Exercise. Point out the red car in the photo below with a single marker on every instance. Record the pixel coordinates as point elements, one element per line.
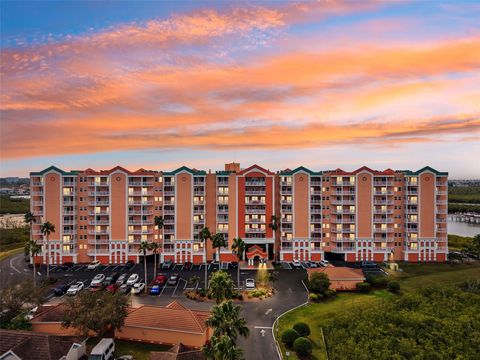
<point>112,288</point>
<point>160,280</point>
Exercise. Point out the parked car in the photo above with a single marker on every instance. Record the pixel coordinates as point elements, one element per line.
<point>112,288</point>
<point>103,350</point>
<point>97,280</point>
<point>324,263</point>
<point>138,287</point>
<point>110,279</point>
<point>296,264</point>
<point>368,265</point>
<point>94,264</point>
<point>75,288</point>
<point>312,264</point>
<point>134,278</point>
<point>167,265</point>
<point>125,289</point>
<point>173,279</point>
<point>155,290</point>
<point>67,265</point>
<point>187,266</point>
<point>60,290</point>
<point>249,284</point>
<point>31,314</point>
<point>160,280</point>
<point>129,264</point>
<point>121,279</point>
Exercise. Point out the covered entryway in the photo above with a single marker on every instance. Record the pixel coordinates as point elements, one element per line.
<point>255,254</point>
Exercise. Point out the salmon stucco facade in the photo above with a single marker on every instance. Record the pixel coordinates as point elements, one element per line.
<point>361,215</point>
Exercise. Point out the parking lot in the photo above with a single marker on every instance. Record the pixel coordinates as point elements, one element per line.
<point>190,279</point>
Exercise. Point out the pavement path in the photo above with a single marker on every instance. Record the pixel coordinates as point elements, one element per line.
<point>14,270</point>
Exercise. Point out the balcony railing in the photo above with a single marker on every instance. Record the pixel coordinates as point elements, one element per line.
<point>254,192</point>
<point>343,183</point>
<point>382,230</point>
<point>99,203</point>
<point>254,183</point>
<point>382,183</point>
<point>257,202</point>
<point>382,220</point>
<point>93,213</point>
<point>257,221</point>
<point>315,219</point>
<point>140,232</point>
<point>252,230</point>
<point>98,193</point>
<point>388,192</point>
<point>342,202</point>
<point>99,222</point>
<point>37,193</point>
<point>254,211</point>
<point>343,211</point>
<point>380,211</point>
<point>343,221</point>
<point>342,231</point>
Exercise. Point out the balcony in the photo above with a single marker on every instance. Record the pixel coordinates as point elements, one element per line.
<point>315,192</point>
<point>382,211</point>
<point>342,202</point>
<point>69,222</point>
<point>383,249</point>
<point>99,183</point>
<point>441,220</point>
<point>99,242</point>
<point>222,210</point>
<point>315,211</point>
<point>99,222</point>
<point>441,202</point>
<point>254,192</point>
<point>140,232</point>
<point>222,219</point>
<point>411,211</point>
<point>255,231</point>
<point>98,193</point>
<point>315,219</point>
<point>136,212</point>
<point>198,221</point>
<point>382,220</point>
<point>414,193</point>
<point>254,183</point>
<point>441,183</point>
<point>93,213</point>
<point>99,203</point>
<point>140,222</point>
<point>441,211</point>
<point>343,193</point>
<point>382,183</point>
<point>36,183</point>
<point>343,249</point>
<point>382,202</point>
<point>254,211</point>
<point>343,221</point>
<point>383,230</point>
<point>198,202</point>
<point>169,221</point>
<point>343,183</point>
<point>140,193</point>
<point>257,202</point>
<point>199,192</point>
<point>140,183</point>
<point>342,231</point>
<point>169,212</point>
<point>99,232</point>
<point>316,202</point>
<point>438,192</point>
<point>37,203</point>
<point>37,193</point>
<point>383,192</point>
<point>441,229</point>
<point>257,221</point>
<point>343,211</point>
<point>140,203</point>
<point>198,211</point>
<point>315,183</point>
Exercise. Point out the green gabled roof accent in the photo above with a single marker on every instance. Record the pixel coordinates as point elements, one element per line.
<point>187,169</point>
<point>300,168</point>
<point>426,168</point>
<point>54,168</point>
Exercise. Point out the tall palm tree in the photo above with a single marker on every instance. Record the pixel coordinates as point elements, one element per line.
<point>225,319</point>
<point>144,247</point>
<point>274,223</point>
<point>222,348</point>
<point>29,218</point>
<point>218,241</point>
<point>238,248</point>
<point>159,222</point>
<point>47,228</point>
<point>34,249</point>
<point>204,235</point>
<point>154,247</point>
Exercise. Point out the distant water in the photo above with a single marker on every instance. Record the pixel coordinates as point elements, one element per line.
<point>462,229</point>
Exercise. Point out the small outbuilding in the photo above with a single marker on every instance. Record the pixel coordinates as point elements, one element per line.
<point>341,278</point>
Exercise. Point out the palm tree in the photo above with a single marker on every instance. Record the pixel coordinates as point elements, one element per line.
<point>225,319</point>
<point>47,228</point>
<point>221,286</point>
<point>274,222</point>
<point>34,249</point>
<point>222,348</point>
<point>218,241</point>
<point>154,247</point>
<point>238,248</point>
<point>204,235</point>
<point>29,218</point>
<point>159,222</point>
<point>144,247</point>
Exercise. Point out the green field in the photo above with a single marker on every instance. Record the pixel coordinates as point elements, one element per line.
<point>13,238</point>
<point>13,206</point>
<point>464,199</point>
<point>412,279</point>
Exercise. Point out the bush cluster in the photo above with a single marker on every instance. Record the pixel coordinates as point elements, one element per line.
<point>364,287</point>
<point>297,340</point>
<point>303,347</point>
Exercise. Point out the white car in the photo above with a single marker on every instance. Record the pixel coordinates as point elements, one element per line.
<point>134,278</point>
<point>324,263</point>
<point>138,287</point>
<point>249,284</point>
<point>97,280</point>
<point>296,263</point>
<point>75,288</point>
<point>31,314</point>
<point>94,264</point>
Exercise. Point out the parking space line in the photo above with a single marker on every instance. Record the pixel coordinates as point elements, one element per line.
<point>178,283</point>
<point>161,292</point>
<point>115,267</point>
<point>80,267</point>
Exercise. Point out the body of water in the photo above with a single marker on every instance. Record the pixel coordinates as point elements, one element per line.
<point>462,228</point>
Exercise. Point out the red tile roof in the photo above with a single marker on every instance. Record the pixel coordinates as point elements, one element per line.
<point>340,273</point>
<point>172,317</point>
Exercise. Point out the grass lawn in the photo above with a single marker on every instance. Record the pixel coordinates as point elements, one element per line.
<point>412,277</point>
<point>139,351</point>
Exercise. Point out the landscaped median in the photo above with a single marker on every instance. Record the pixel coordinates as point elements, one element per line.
<point>5,254</point>
<point>338,322</point>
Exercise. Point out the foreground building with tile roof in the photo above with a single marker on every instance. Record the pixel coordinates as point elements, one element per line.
<point>356,216</point>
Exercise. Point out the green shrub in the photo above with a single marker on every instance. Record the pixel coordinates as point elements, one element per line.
<point>302,329</point>
<point>318,283</point>
<point>313,297</point>
<point>239,296</point>
<point>393,286</point>
<point>330,293</point>
<point>258,292</point>
<point>378,282</point>
<point>303,347</point>
<point>202,292</point>
<point>364,287</point>
<point>289,336</point>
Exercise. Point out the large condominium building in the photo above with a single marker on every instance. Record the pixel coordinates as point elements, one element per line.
<point>355,216</point>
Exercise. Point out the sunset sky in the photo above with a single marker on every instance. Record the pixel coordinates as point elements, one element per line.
<point>161,84</point>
